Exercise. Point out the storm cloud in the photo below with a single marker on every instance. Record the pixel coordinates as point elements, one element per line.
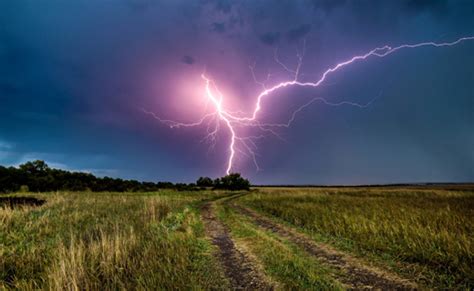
<point>74,76</point>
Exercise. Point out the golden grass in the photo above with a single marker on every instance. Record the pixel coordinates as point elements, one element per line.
<point>427,234</point>
<point>107,241</point>
<point>156,240</point>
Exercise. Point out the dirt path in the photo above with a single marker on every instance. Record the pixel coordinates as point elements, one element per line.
<point>355,274</point>
<point>237,267</point>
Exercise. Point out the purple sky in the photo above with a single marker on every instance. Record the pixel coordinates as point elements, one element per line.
<point>75,74</point>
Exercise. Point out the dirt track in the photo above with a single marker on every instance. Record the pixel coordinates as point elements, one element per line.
<point>243,275</point>
<point>355,274</point>
<point>237,267</point>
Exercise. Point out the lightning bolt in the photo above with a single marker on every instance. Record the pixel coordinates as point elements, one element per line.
<point>232,121</point>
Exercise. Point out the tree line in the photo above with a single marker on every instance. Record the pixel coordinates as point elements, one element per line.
<point>37,176</point>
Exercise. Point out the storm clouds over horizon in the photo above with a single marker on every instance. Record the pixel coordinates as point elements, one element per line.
<point>74,76</point>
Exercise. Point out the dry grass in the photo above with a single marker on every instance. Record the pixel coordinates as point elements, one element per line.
<point>156,240</point>
<point>107,241</point>
<point>425,234</point>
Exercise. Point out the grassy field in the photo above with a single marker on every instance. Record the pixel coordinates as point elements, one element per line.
<point>161,240</point>
<point>423,234</point>
<point>108,241</point>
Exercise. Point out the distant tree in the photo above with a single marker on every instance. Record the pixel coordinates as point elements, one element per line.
<point>233,181</point>
<point>11,179</point>
<point>34,167</point>
<point>165,185</point>
<point>185,187</point>
<point>37,176</point>
<point>204,182</point>
<point>217,183</point>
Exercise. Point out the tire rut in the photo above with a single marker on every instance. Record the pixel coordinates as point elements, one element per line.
<point>356,275</point>
<point>237,267</point>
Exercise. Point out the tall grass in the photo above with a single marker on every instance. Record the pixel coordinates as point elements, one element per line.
<point>107,241</point>
<point>426,232</point>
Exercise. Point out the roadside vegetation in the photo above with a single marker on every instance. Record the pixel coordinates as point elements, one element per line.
<point>108,241</point>
<point>425,235</point>
<point>289,267</point>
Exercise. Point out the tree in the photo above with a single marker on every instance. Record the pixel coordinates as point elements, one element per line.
<point>233,181</point>
<point>39,177</point>
<point>34,167</point>
<point>204,182</point>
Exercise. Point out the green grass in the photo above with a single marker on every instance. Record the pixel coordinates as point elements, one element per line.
<point>108,241</point>
<point>157,240</point>
<point>427,235</point>
<point>288,266</point>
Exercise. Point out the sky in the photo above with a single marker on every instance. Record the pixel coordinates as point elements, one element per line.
<point>77,78</point>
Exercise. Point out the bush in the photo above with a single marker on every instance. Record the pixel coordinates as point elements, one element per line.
<point>233,182</point>
<point>24,189</point>
<point>204,182</point>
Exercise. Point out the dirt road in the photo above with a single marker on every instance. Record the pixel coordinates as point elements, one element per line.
<point>238,268</point>
<point>243,275</point>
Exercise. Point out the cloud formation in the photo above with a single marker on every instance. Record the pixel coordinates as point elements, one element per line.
<point>71,81</point>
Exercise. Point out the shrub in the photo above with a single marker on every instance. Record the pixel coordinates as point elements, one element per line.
<point>24,189</point>
<point>204,182</point>
<point>233,182</point>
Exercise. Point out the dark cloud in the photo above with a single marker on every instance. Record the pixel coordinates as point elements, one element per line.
<point>138,5</point>
<point>7,89</point>
<point>224,6</point>
<point>370,9</point>
<point>426,5</point>
<point>270,38</point>
<point>187,60</point>
<point>298,32</point>
<point>71,82</point>
<point>14,53</point>
<point>327,5</point>
<point>218,27</point>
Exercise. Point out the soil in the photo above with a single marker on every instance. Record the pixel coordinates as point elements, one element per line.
<point>237,267</point>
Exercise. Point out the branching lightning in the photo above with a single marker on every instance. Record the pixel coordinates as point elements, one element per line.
<point>232,121</point>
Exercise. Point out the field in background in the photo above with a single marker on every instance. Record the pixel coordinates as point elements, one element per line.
<point>425,234</point>
<point>158,240</point>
